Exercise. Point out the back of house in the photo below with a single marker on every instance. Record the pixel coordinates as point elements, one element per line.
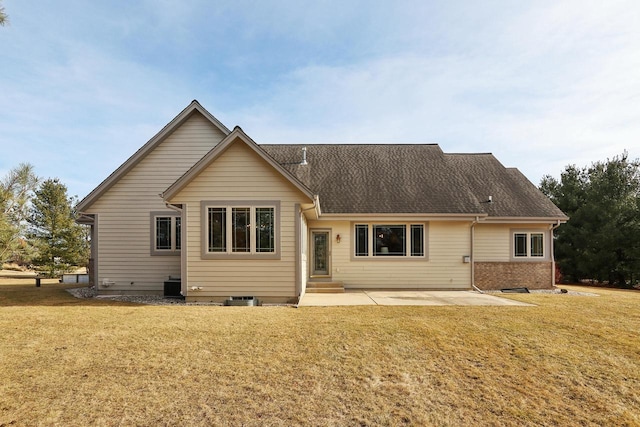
<point>208,208</point>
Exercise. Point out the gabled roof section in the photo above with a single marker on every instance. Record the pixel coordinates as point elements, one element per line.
<point>193,108</point>
<point>237,135</point>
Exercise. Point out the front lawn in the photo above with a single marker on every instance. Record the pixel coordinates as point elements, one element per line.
<point>569,360</point>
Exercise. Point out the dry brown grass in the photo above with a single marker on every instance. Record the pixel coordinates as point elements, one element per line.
<point>570,360</point>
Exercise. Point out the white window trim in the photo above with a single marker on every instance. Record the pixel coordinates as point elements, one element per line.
<point>371,246</point>
<point>229,205</point>
<point>529,257</point>
<point>154,233</point>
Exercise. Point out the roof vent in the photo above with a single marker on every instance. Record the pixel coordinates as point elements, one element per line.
<point>304,156</point>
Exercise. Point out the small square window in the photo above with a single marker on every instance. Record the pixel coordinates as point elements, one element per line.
<point>528,245</point>
<point>165,233</point>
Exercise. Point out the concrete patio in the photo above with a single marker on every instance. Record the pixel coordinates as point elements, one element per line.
<point>433,298</point>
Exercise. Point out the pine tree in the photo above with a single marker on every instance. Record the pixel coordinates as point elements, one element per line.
<point>59,241</point>
<point>601,241</point>
<point>16,190</point>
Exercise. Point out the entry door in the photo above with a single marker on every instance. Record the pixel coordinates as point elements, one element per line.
<point>320,253</point>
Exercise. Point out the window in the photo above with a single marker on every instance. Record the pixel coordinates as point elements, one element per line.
<point>242,229</point>
<point>528,245</point>
<point>265,230</point>
<point>217,241</point>
<point>417,240</point>
<point>362,240</point>
<point>389,240</point>
<point>241,234</point>
<point>163,233</point>
<point>166,232</point>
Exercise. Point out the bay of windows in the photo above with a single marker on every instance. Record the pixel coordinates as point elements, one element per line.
<point>240,229</point>
<point>389,240</point>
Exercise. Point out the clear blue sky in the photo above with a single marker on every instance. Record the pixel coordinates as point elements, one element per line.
<point>541,84</point>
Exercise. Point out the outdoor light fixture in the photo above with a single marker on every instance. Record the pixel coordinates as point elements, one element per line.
<point>338,238</point>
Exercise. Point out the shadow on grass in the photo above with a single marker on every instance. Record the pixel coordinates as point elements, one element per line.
<point>49,294</point>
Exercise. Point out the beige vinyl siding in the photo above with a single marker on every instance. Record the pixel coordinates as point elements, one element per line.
<point>123,212</point>
<point>239,174</point>
<point>443,268</point>
<point>493,242</point>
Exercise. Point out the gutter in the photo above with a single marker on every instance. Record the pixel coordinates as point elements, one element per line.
<point>183,255</point>
<point>316,206</point>
<point>173,207</point>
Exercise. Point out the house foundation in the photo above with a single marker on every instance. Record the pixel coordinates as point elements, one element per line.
<point>500,275</point>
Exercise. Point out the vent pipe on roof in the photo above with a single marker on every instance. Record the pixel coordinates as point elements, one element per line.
<point>304,156</point>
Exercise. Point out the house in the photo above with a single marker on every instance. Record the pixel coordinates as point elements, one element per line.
<point>229,217</point>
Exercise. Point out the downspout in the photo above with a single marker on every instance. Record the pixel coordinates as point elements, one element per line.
<point>553,258</point>
<point>473,275</point>
<point>183,253</point>
<point>316,207</point>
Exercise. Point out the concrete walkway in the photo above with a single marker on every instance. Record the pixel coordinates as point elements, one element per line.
<point>405,298</point>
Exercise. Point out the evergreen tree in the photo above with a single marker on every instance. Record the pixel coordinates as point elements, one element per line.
<point>601,241</point>
<point>59,241</point>
<point>3,16</point>
<point>16,190</point>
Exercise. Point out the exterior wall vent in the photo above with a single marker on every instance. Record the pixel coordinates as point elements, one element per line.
<point>242,301</point>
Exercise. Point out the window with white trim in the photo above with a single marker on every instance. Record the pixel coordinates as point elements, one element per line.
<point>528,245</point>
<point>249,229</point>
<point>166,233</point>
<point>389,240</point>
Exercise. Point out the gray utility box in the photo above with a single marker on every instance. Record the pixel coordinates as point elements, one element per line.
<point>242,301</point>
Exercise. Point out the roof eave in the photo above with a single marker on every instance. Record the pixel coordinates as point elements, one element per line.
<point>364,216</point>
<point>132,161</point>
<point>527,220</point>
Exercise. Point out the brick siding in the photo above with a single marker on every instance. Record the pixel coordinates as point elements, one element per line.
<point>500,275</point>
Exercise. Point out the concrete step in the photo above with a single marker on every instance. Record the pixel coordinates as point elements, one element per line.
<point>325,287</point>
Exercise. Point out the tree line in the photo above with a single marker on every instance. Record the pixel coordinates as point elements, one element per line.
<point>37,225</point>
<point>601,240</point>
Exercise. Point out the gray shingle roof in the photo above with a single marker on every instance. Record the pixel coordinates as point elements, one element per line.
<point>412,178</point>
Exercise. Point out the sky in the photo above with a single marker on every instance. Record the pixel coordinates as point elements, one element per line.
<point>540,84</point>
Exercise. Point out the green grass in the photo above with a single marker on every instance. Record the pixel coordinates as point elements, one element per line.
<point>570,360</point>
